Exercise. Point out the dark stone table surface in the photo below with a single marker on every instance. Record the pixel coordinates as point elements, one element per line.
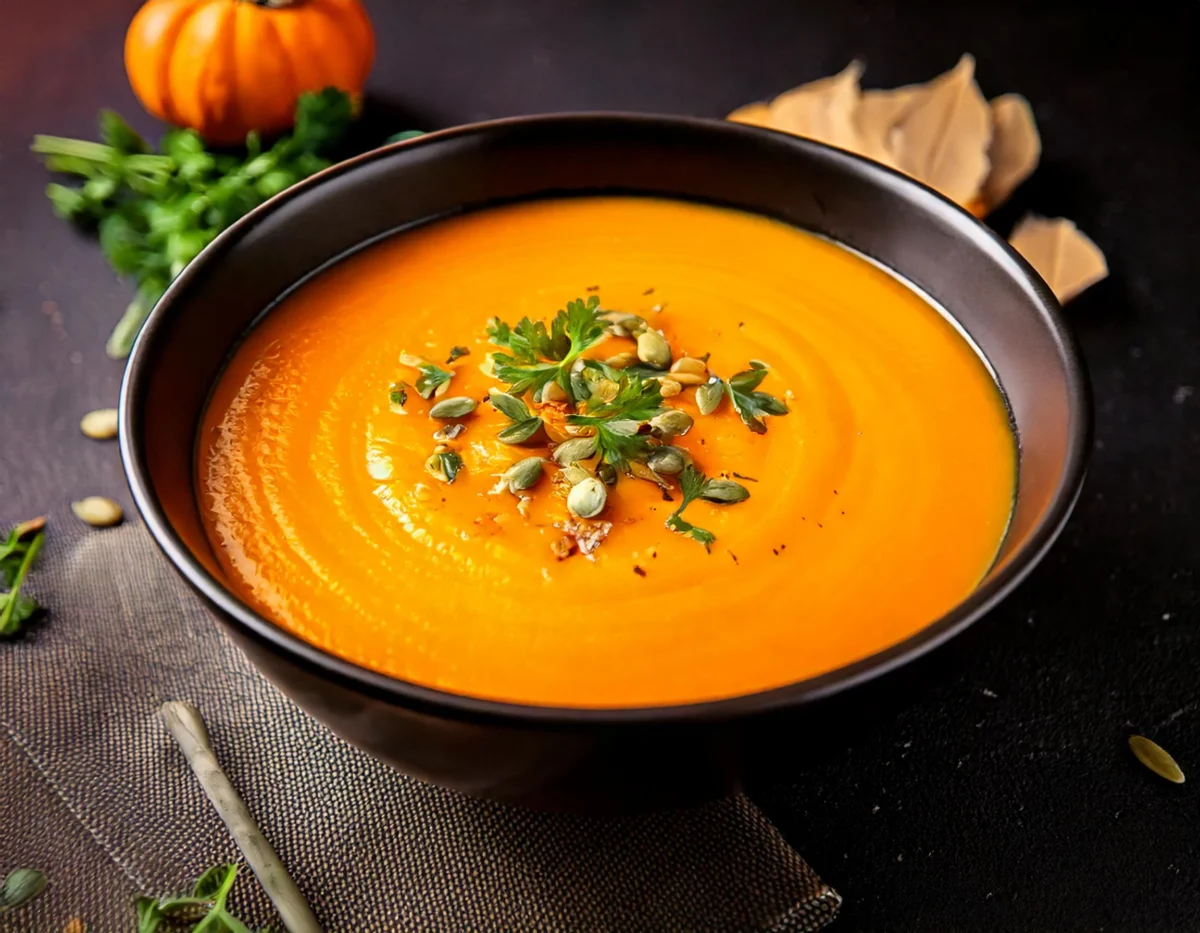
<point>1004,797</point>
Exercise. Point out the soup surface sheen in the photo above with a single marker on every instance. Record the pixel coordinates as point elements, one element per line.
<point>878,503</point>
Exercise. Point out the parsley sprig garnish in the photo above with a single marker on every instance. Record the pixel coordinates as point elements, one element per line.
<point>742,389</point>
<point>750,404</point>
<point>432,379</point>
<point>17,553</point>
<point>618,422</point>
<point>695,485</point>
<point>537,355</point>
<point>691,484</point>
<point>525,424</point>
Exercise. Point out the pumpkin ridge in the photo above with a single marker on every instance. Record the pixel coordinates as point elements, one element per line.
<point>162,67</point>
<point>284,56</point>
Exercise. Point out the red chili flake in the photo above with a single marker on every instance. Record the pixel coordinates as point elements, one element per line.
<point>638,570</point>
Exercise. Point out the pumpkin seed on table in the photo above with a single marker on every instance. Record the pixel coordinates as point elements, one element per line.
<point>450,408</point>
<point>97,511</point>
<point>1156,758</point>
<point>21,885</point>
<point>99,425</point>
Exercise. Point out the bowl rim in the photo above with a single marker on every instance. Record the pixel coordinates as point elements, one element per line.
<point>479,709</point>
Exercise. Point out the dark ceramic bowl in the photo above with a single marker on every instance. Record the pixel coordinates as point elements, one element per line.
<point>588,757</point>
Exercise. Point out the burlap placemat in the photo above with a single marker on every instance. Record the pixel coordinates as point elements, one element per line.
<point>95,794</point>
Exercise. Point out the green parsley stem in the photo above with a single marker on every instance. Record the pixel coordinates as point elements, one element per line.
<point>26,563</point>
<point>187,726</point>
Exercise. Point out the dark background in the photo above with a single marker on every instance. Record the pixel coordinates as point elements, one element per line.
<point>1004,798</point>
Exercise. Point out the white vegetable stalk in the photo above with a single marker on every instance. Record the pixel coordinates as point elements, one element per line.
<point>187,726</point>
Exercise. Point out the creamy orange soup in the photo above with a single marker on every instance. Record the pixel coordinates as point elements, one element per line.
<point>876,503</point>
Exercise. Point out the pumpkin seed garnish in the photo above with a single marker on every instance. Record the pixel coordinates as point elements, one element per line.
<point>689,365</point>
<point>577,448</point>
<point>709,395</point>
<point>621,324</point>
<point>1155,757</point>
<point>653,349</point>
<point>449,432</point>
<point>99,425</point>
<point>587,498</point>
<point>444,466</point>
<point>724,490</point>
<point>450,408</point>
<point>97,511</point>
<point>667,461</point>
<point>621,360</point>
<point>522,475</point>
<point>671,423</point>
<point>669,388</point>
<point>574,474</point>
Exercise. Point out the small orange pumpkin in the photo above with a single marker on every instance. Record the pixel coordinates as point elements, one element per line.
<point>225,67</point>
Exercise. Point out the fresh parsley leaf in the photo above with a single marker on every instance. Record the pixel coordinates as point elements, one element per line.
<point>149,917</point>
<point>431,375</point>
<point>205,906</point>
<point>694,485</point>
<point>752,405</point>
<point>18,551</point>
<point>618,422</point>
<point>691,485</point>
<point>525,425</point>
<point>456,352</point>
<point>537,355</point>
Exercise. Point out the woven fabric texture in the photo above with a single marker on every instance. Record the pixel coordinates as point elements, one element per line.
<point>94,793</point>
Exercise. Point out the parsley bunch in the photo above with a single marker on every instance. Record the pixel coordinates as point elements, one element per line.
<point>155,211</point>
<point>17,554</point>
<point>538,356</point>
